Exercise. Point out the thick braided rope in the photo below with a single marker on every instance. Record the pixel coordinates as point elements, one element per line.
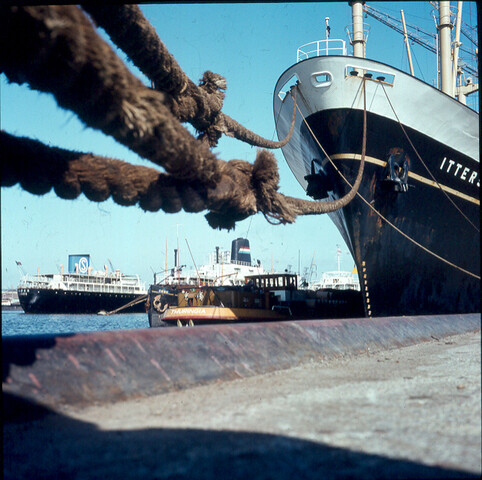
<point>243,189</point>
<point>201,106</point>
<point>55,49</point>
<point>131,31</point>
<point>60,52</point>
<point>39,168</point>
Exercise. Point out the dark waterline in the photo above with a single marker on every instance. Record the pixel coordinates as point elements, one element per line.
<point>19,323</point>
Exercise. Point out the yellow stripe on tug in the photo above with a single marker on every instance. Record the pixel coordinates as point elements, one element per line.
<point>213,314</point>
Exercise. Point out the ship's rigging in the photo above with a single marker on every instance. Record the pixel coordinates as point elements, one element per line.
<point>467,64</point>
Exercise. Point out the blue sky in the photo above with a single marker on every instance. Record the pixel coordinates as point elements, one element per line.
<point>249,44</point>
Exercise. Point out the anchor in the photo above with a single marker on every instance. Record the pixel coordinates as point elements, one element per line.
<point>318,185</point>
<point>396,179</point>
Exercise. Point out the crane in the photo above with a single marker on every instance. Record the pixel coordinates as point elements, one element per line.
<point>111,266</point>
<point>20,267</point>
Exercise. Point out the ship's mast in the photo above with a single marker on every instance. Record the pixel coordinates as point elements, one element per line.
<point>445,28</point>
<point>457,44</point>
<point>420,36</point>
<point>407,43</point>
<point>358,40</point>
<point>448,65</point>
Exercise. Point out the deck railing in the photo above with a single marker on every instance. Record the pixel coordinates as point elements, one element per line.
<point>84,283</point>
<point>321,47</point>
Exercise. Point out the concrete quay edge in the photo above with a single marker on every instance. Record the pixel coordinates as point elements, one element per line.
<point>110,366</point>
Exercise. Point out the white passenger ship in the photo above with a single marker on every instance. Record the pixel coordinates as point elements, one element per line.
<point>82,290</point>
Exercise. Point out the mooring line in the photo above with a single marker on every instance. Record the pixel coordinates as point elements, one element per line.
<point>424,164</point>
<point>380,215</point>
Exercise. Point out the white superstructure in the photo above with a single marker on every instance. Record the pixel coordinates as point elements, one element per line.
<point>224,268</point>
<point>337,280</point>
<point>98,282</point>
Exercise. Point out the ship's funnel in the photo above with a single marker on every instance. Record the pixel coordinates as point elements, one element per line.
<point>81,261</point>
<point>240,251</point>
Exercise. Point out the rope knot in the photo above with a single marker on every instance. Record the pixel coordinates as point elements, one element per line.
<point>214,132</point>
<point>213,85</point>
<point>246,189</point>
<point>213,82</point>
<point>265,183</point>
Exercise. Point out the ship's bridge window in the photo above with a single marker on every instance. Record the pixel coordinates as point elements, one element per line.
<point>376,75</point>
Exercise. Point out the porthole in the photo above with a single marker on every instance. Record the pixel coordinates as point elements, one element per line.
<point>321,79</point>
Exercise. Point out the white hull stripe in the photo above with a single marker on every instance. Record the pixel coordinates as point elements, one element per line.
<point>427,181</point>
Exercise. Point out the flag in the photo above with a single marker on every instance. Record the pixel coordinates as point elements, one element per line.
<point>243,250</point>
<point>18,263</point>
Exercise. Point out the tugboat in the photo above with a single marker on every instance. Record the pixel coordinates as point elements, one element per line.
<point>224,269</point>
<point>255,301</point>
<point>268,297</point>
<point>82,290</point>
<point>413,228</point>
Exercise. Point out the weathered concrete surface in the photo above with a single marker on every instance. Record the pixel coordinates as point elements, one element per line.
<point>412,412</point>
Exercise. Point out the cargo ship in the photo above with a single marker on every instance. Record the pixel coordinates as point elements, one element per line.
<point>413,227</point>
<point>82,290</point>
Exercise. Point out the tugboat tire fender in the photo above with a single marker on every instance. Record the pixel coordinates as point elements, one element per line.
<point>158,305</point>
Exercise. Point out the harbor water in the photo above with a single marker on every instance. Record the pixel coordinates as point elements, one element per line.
<point>20,323</point>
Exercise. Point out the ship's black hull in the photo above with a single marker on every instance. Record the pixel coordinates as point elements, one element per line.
<point>416,252</point>
<point>53,301</point>
<point>425,273</point>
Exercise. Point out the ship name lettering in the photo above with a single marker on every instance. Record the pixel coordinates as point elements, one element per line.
<point>459,166</point>
<point>177,311</point>
<point>466,174</point>
<point>451,164</point>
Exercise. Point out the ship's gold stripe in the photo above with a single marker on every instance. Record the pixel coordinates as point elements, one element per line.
<point>415,176</point>
<point>356,156</point>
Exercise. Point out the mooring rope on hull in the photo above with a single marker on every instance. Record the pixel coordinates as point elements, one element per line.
<point>444,260</point>
<point>424,164</point>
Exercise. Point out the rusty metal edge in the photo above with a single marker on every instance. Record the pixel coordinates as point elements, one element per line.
<point>84,369</point>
